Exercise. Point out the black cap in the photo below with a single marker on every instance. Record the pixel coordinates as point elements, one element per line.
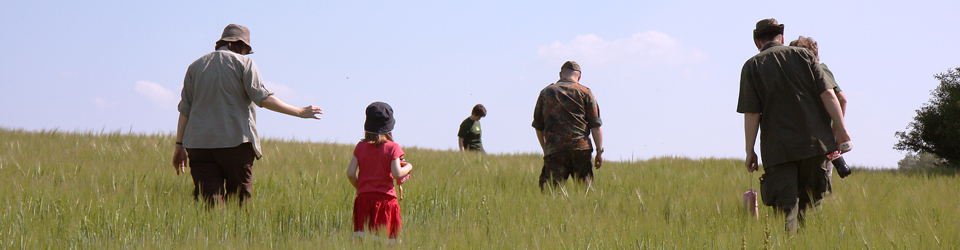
<point>379,118</point>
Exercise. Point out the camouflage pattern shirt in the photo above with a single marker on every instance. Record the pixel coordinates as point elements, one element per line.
<point>565,112</point>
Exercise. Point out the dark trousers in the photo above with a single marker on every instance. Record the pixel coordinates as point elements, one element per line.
<point>794,185</point>
<point>220,173</point>
<point>557,167</point>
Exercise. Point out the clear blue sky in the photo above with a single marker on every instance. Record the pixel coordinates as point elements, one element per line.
<point>666,73</point>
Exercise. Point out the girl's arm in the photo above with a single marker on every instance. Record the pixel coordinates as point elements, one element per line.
<point>400,171</point>
<point>352,173</point>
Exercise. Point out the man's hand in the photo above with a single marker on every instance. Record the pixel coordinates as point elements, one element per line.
<point>842,137</point>
<point>598,160</point>
<point>751,161</point>
<point>310,112</point>
<point>275,104</point>
<point>179,159</point>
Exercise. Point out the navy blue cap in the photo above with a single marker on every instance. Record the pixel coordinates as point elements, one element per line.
<point>379,118</point>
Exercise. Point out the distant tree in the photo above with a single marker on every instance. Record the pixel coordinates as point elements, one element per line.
<point>936,128</point>
<point>921,160</point>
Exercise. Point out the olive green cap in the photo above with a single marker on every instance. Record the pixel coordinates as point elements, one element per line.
<point>570,65</point>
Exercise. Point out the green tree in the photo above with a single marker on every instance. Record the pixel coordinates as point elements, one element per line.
<point>920,160</point>
<point>936,128</point>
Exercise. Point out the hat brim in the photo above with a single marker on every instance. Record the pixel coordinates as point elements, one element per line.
<point>236,39</point>
<point>379,128</point>
<point>769,29</point>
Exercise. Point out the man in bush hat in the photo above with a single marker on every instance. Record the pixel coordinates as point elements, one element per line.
<point>565,116</point>
<point>217,128</point>
<point>785,94</point>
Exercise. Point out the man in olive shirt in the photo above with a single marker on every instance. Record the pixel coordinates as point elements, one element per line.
<point>565,116</point>
<point>217,128</point>
<point>785,94</point>
<point>469,134</point>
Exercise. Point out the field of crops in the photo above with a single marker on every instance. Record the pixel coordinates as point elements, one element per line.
<point>114,190</point>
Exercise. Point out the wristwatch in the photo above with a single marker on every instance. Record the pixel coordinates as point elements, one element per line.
<point>600,151</point>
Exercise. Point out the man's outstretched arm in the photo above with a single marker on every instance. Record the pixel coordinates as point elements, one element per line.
<point>277,105</point>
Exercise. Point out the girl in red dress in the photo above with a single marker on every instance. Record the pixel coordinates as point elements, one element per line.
<point>377,162</point>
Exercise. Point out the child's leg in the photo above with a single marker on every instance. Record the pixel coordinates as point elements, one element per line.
<point>393,215</point>
<point>359,216</point>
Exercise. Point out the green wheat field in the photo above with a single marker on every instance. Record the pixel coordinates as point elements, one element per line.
<point>89,190</point>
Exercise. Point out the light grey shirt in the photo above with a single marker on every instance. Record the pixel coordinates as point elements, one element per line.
<point>219,94</point>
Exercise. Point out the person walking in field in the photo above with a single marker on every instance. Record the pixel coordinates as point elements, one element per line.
<point>785,94</point>
<point>565,116</point>
<point>377,162</point>
<point>810,44</point>
<point>217,128</point>
<point>469,134</point>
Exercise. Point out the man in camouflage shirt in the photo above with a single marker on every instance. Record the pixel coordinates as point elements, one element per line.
<point>565,115</point>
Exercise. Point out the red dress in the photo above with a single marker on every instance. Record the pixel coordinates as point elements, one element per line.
<point>376,204</point>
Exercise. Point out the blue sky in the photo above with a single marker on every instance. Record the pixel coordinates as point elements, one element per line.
<point>666,74</point>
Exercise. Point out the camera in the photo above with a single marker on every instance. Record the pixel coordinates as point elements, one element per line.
<point>839,164</point>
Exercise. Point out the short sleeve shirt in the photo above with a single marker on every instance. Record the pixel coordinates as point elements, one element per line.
<point>784,84</point>
<point>829,73</point>
<point>565,112</point>
<point>374,167</point>
<point>220,91</point>
<point>470,132</point>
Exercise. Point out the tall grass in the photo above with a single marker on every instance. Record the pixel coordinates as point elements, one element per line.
<point>114,190</point>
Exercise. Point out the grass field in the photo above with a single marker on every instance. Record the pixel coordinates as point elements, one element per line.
<point>113,190</point>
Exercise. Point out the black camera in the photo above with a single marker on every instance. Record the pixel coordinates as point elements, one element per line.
<point>841,166</point>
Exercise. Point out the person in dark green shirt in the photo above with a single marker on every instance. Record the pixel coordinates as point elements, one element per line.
<point>810,44</point>
<point>785,95</point>
<point>469,135</point>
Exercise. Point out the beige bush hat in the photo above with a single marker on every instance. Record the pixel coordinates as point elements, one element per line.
<point>236,32</point>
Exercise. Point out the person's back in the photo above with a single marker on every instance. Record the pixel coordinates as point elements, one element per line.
<point>567,110</point>
<point>810,44</point>
<point>565,116</point>
<point>373,162</point>
<point>786,97</point>
<point>794,124</point>
<point>217,127</point>
<point>377,162</point>
<point>221,105</point>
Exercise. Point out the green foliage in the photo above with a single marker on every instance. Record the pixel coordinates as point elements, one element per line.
<point>110,190</point>
<point>920,160</point>
<point>936,128</point>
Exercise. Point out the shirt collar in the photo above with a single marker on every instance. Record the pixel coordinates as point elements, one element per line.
<point>771,45</point>
<point>565,82</point>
